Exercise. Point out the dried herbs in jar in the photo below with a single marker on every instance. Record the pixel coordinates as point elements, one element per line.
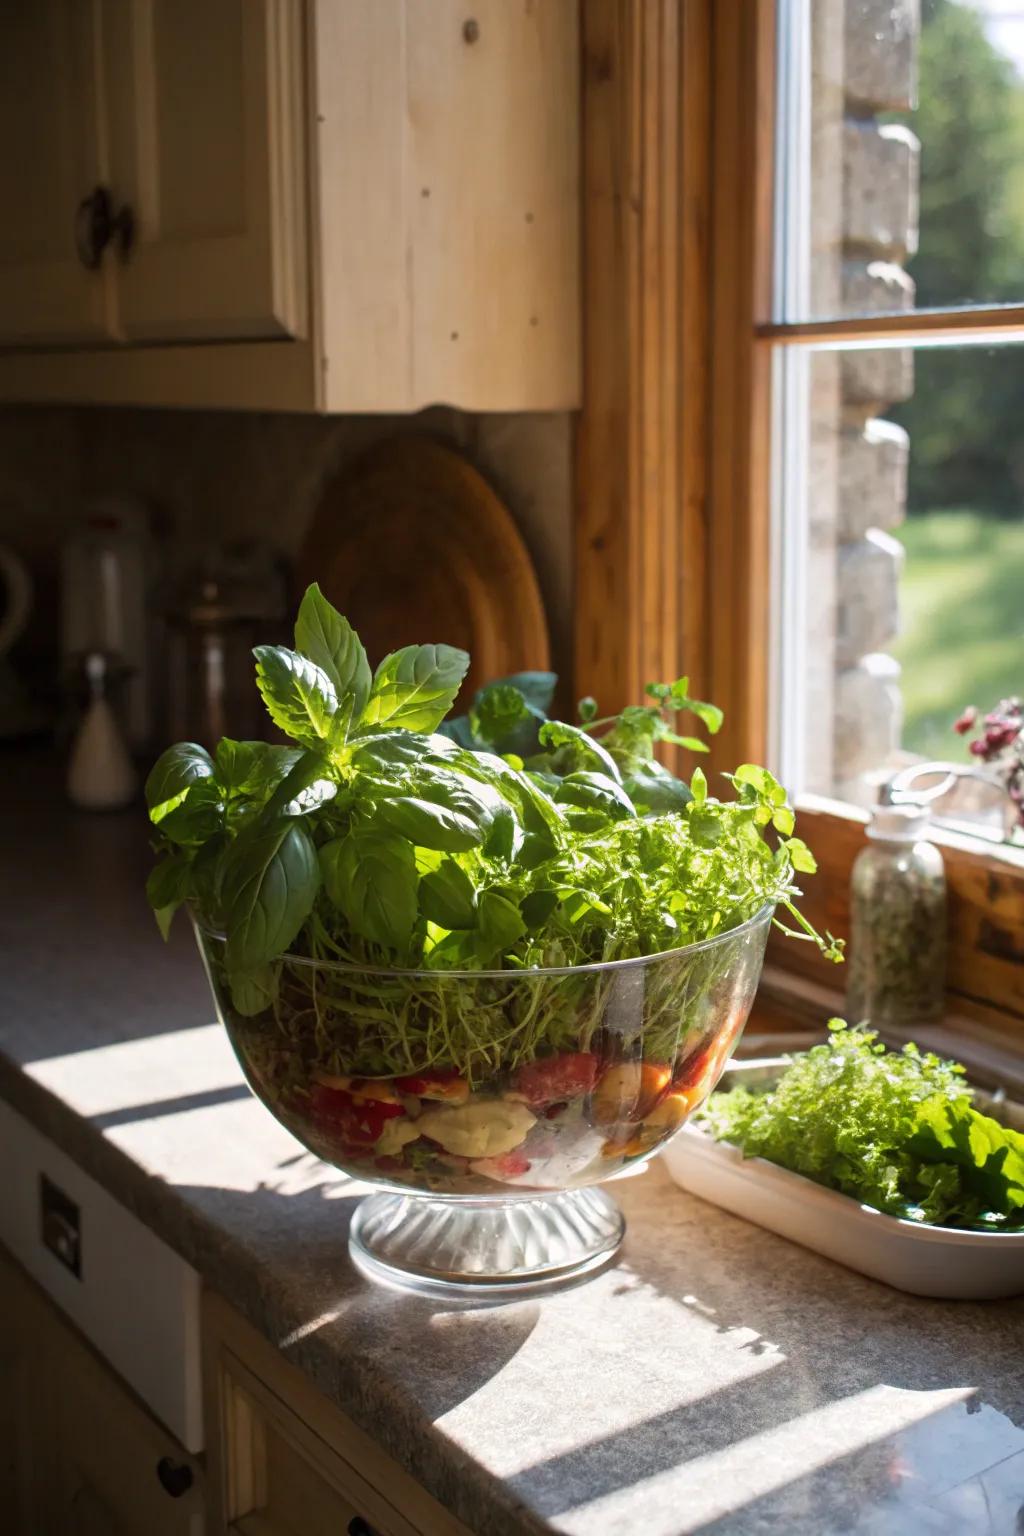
<point>897,956</point>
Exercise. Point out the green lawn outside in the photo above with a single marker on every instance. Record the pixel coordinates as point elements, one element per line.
<point>962,621</point>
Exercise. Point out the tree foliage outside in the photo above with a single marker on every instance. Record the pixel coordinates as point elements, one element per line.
<point>964,418</point>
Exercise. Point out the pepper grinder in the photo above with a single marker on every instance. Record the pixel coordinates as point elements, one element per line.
<point>100,774</point>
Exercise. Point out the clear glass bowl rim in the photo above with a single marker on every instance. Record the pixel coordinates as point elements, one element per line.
<point>537,972</point>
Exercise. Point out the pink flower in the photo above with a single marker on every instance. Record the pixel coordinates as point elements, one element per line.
<point>967,721</point>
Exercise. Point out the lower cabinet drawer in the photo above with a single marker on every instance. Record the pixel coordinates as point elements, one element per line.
<point>115,1469</point>
<point>81,1454</point>
<point>288,1489</point>
<point>283,1461</point>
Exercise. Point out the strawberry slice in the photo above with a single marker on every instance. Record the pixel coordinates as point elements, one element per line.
<point>556,1079</point>
<point>338,1114</point>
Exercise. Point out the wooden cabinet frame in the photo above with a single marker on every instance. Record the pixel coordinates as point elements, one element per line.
<point>673,526</point>
<point>253,1396</point>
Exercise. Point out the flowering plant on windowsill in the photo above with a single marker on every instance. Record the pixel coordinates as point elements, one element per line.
<point>1000,745</point>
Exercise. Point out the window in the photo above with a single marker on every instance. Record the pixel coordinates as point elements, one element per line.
<point>898,491</point>
<point>798,460</point>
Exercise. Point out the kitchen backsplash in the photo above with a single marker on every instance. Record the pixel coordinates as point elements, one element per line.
<point>217,476</point>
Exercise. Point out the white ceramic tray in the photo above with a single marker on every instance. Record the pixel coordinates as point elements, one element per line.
<point>927,1261</point>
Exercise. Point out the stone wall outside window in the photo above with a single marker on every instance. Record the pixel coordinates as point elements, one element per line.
<point>864,176</point>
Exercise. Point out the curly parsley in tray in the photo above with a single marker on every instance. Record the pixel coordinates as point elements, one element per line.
<point>896,1130</point>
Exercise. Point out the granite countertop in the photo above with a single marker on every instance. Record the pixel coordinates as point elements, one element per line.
<point>718,1379</point>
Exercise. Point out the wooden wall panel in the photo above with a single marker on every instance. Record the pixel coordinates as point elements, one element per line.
<point>642,469</point>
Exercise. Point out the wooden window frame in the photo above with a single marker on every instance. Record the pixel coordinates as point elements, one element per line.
<point>673,518</point>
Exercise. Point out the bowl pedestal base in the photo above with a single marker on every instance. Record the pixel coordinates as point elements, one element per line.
<point>486,1249</point>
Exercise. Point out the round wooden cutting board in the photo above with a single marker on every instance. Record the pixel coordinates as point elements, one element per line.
<point>413,546</point>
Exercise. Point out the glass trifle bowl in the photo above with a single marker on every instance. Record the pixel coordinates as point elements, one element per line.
<point>486,1106</point>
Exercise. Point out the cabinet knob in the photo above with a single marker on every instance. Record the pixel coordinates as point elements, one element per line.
<point>175,1477</point>
<point>97,226</point>
<point>357,1526</point>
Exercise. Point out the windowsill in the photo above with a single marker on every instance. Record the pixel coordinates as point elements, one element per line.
<point>992,1049</point>
<point>1007,855</point>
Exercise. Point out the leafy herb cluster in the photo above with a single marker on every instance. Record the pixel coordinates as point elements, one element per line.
<point>502,840</point>
<point>893,1129</point>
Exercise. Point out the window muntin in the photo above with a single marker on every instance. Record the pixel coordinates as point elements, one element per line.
<point>901,157</point>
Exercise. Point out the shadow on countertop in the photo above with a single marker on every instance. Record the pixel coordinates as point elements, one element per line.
<point>861,1412</point>
<point>76,931</point>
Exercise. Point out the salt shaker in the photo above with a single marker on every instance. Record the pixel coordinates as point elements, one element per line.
<point>100,774</point>
<point>897,961</point>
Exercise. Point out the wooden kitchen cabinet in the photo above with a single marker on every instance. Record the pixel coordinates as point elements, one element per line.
<point>352,205</point>
<point>204,114</point>
<point>80,1455</point>
<point>50,158</point>
<point>22,1408</point>
<point>283,1461</point>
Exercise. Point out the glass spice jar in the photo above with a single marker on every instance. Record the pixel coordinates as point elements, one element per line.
<point>897,960</point>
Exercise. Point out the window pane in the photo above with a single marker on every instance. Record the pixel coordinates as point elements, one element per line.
<point>899,491</point>
<point>901,155</point>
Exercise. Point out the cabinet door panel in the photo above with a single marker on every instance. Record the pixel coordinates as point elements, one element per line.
<point>106,1450</point>
<point>205,105</point>
<point>22,1407</point>
<point>49,161</point>
<point>78,1453</point>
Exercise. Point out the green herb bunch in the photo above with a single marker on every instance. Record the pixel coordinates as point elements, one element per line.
<point>893,1129</point>
<point>381,838</point>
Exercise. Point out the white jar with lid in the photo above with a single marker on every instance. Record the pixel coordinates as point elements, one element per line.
<point>897,954</point>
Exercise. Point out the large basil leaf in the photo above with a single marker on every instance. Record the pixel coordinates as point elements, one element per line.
<point>595,792</point>
<point>173,775</point>
<point>587,752</point>
<point>500,924</point>
<point>371,875</point>
<point>448,898</point>
<point>198,815</point>
<point>299,696</point>
<point>206,872</point>
<point>536,849</point>
<point>504,836</point>
<point>480,801</point>
<point>252,768</point>
<point>657,792</point>
<point>271,877</point>
<point>537,907</point>
<point>328,639</point>
<point>384,750</point>
<point>291,797</point>
<point>239,764</point>
<point>168,885</point>
<point>429,825</point>
<point>252,992</point>
<point>414,688</point>
<point>537,810</point>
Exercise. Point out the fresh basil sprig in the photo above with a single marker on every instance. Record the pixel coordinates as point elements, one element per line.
<point>384,836</point>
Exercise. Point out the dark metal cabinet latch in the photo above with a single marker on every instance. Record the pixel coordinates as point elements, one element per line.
<point>175,1477</point>
<point>97,226</point>
<point>357,1526</point>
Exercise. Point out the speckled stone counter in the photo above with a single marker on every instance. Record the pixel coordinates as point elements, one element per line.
<point>717,1380</point>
